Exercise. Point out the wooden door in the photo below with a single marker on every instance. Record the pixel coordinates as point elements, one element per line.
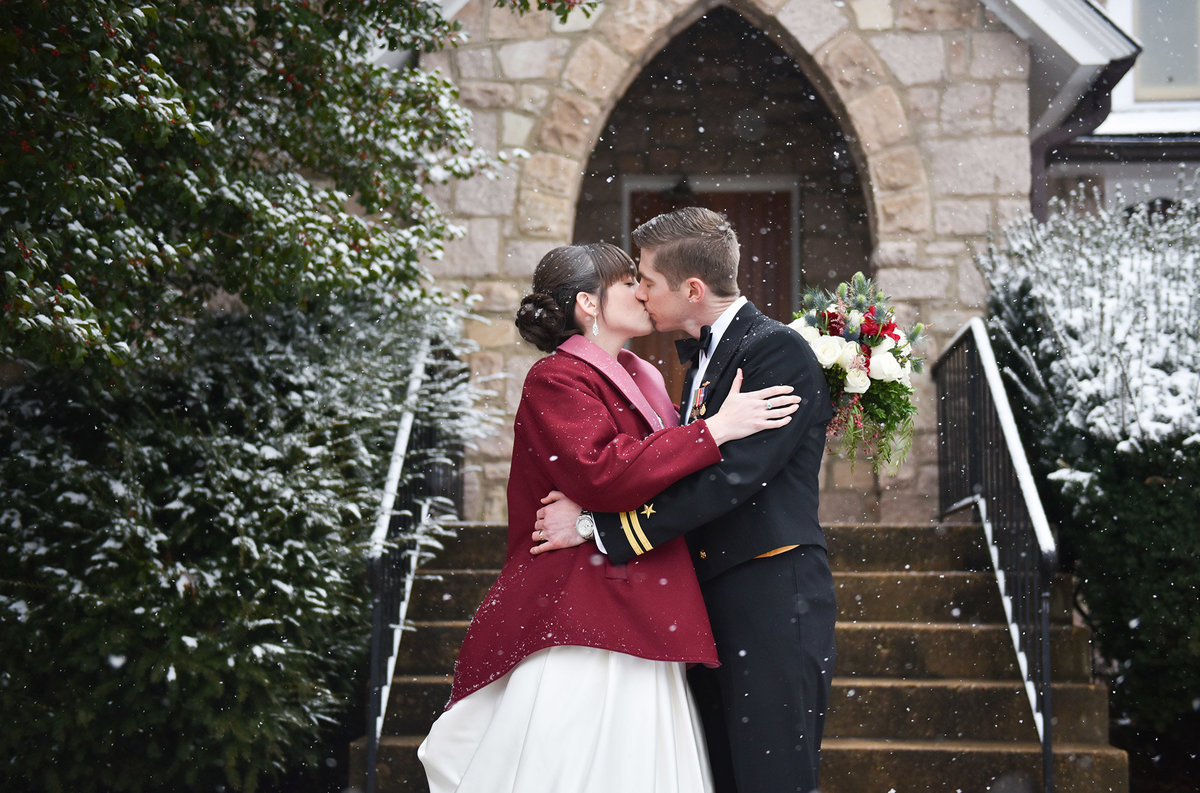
<point>763,222</point>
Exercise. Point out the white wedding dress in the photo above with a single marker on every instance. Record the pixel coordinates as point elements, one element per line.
<point>572,720</point>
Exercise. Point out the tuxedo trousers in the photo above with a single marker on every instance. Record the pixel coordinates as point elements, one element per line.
<point>764,708</point>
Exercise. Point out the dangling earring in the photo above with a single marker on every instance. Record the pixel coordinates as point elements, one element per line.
<point>595,326</point>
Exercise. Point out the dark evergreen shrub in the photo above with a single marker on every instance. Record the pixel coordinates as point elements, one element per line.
<point>182,586</point>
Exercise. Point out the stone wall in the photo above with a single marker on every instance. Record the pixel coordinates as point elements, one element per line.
<point>930,96</point>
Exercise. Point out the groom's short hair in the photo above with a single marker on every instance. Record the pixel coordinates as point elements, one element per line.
<point>692,242</point>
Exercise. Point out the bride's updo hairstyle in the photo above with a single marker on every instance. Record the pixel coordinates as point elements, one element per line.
<point>546,317</point>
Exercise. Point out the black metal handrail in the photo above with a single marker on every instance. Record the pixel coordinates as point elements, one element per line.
<point>981,463</point>
<point>401,531</point>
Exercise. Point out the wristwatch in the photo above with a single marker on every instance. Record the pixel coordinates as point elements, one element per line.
<point>585,525</point>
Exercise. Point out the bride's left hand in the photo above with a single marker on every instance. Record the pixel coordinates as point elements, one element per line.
<point>555,525</point>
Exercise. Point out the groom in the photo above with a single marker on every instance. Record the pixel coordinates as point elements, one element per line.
<point>750,520</point>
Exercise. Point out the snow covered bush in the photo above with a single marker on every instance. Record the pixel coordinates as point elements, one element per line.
<point>183,602</point>
<point>1093,316</point>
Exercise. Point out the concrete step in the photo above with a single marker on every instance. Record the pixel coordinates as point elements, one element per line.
<point>946,651</point>
<point>442,594</point>
<point>975,710</point>
<point>414,702</point>
<point>399,770</point>
<point>956,546</point>
<point>852,765</point>
<point>865,649</point>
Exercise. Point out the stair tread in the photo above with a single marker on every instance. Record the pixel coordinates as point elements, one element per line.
<point>955,746</point>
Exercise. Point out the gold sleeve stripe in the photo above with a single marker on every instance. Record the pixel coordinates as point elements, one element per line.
<point>637,529</point>
<point>633,543</point>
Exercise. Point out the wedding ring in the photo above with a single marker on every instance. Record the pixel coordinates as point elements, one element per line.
<point>768,404</point>
<point>541,535</point>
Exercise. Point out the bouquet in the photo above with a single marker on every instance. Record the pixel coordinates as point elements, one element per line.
<point>868,362</point>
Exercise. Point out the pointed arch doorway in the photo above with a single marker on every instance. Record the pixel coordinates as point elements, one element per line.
<point>724,117</point>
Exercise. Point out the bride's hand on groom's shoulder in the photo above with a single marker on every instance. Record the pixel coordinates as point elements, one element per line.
<point>747,412</point>
<point>555,525</point>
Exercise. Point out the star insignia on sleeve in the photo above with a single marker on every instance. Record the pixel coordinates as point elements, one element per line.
<point>647,510</point>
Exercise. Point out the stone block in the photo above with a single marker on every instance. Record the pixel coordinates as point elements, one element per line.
<point>472,19</point>
<point>437,62</point>
<point>485,130</point>
<point>504,23</point>
<point>897,169</point>
<point>493,196</point>
<point>487,94</point>
<point>962,217</point>
<point>474,63</point>
<point>540,59</point>
<point>473,255</point>
<point>533,98</point>
<point>937,14</point>
<point>890,254</point>
<point>577,22</point>
<point>568,126</point>
<point>958,54</point>
<point>515,129</point>
<point>997,56</point>
<point>873,14</point>
<point>878,118</point>
<point>923,108</point>
<point>491,332</point>
<point>485,365</point>
<point>521,257</point>
<point>542,215</point>
<point>848,506</point>
<point>596,70</point>
<point>906,212</point>
<point>497,296</point>
<point>551,173</point>
<point>1009,210</point>
<point>981,166</point>
<point>972,288</point>
<point>1010,108</point>
<point>630,26</point>
<point>914,284</point>
<point>966,109</point>
<point>914,58</point>
<point>852,65</point>
<point>812,22</point>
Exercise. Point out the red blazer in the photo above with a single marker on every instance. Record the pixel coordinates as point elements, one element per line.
<point>592,427</point>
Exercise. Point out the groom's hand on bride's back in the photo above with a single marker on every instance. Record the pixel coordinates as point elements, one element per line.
<point>555,524</point>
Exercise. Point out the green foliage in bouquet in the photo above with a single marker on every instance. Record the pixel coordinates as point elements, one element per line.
<point>868,362</point>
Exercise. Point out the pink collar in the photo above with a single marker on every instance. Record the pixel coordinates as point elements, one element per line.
<point>635,378</point>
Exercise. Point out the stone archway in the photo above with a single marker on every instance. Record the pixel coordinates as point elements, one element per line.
<point>928,96</point>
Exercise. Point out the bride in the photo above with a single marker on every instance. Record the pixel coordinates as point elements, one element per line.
<point>571,676</point>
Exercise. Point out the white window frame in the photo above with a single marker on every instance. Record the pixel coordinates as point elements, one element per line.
<point>1130,116</point>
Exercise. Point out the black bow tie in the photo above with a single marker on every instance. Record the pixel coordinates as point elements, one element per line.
<point>689,349</point>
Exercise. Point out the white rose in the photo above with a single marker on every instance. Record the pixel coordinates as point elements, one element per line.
<point>854,320</point>
<point>857,382</point>
<point>906,375</point>
<point>885,344</point>
<point>850,354</point>
<point>806,331</point>
<point>884,366</point>
<point>828,349</point>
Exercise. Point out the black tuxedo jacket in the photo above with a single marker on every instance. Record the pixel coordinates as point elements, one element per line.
<point>763,494</point>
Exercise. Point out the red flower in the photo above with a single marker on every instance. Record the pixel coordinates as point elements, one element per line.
<point>835,323</point>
